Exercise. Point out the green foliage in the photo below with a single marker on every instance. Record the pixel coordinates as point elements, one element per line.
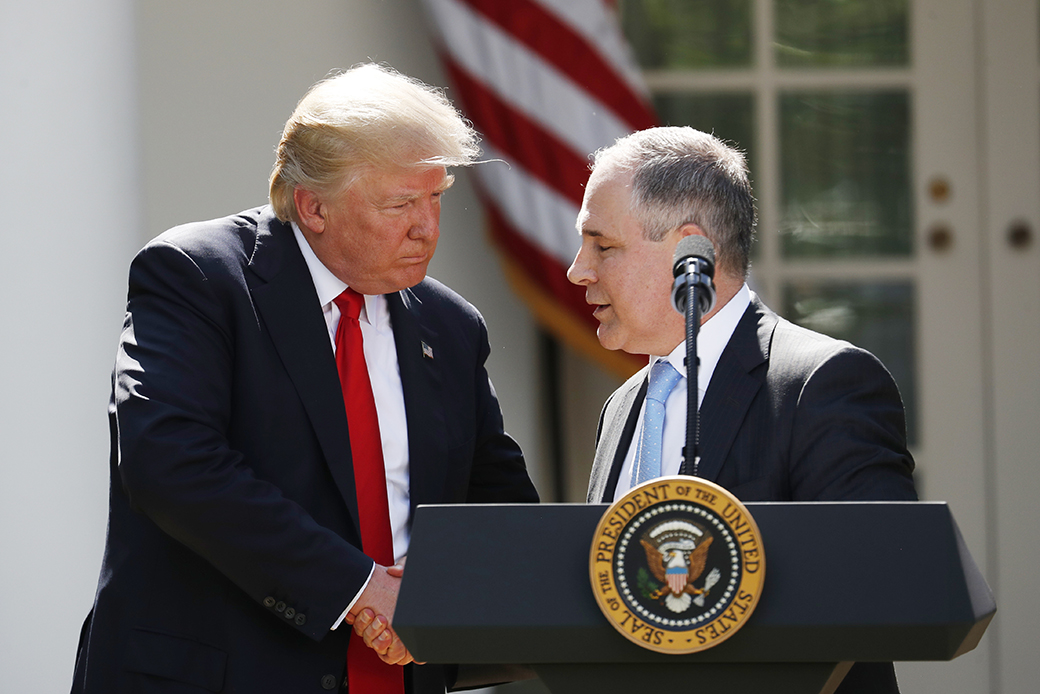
<point>688,33</point>
<point>700,34</point>
<point>646,585</point>
<point>842,33</point>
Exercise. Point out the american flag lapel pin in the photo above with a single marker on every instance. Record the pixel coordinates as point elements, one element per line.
<point>427,351</point>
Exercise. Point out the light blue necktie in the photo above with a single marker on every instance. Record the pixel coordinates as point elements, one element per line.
<point>663,378</point>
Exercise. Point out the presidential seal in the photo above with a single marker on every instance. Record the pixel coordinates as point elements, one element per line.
<point>677,564</point>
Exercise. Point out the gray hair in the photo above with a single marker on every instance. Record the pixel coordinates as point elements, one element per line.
<point>680,176</point>
<point>369,117</point>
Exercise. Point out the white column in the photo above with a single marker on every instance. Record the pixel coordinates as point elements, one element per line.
<point>70,213</point>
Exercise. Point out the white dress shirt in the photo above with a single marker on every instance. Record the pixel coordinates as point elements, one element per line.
<point>385,374</point>
<point>712,338</point>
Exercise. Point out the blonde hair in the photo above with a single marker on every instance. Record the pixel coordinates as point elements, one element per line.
<point>369,117</point>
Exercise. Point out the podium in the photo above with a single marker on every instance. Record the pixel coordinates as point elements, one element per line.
<point>844,582</point>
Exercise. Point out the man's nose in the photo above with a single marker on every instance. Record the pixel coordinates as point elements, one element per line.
<point>426,223</point>
<point>579,272</point>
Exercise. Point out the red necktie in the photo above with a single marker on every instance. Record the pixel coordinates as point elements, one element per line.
<point>366,673</point>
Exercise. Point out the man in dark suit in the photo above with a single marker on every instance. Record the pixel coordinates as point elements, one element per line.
<point>786,414</point>
<point>240,519</point>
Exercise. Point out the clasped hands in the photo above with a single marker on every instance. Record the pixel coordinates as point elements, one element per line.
<point>373,614</point>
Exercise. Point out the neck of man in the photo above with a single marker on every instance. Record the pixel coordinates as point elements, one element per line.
<point>726,287</point>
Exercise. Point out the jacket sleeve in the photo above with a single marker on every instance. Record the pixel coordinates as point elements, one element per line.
<point>849,433</point>
<point>499,472</point>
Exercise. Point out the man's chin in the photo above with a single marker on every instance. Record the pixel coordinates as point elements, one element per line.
<point>608,338</point>
<point>404,278</point>
<point>390,286</point>
<point>616,341</point>
<point>414,279</point>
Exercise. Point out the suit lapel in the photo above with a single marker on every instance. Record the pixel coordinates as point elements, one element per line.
<point>421,379</point>
<point>620,418</point>
<point>288,307</point>
<point>733,386</point>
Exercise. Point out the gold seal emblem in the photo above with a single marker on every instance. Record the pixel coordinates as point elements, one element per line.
<point>677,564</point>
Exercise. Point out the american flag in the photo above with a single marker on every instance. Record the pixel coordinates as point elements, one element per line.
<point>546,82</point>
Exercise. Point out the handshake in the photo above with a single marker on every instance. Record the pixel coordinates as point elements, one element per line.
<point>373,614</point>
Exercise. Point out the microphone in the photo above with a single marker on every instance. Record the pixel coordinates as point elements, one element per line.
<point>693,267</point>
<point>694,264</point>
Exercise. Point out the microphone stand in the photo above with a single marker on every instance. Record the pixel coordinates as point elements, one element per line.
<point>693,269</point>
<point>691,452</point>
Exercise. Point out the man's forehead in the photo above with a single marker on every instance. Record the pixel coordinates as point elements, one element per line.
<point>604,216</point>
<point>590,224</point>
<point>404,181</point>
<point>581,223</point>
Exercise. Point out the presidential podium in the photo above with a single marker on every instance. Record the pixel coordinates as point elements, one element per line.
<point>844,582</point>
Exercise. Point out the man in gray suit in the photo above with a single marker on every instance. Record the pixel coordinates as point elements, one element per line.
<point>786,414</point>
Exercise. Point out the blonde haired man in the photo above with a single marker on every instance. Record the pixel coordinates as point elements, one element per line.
<point>239,529</point>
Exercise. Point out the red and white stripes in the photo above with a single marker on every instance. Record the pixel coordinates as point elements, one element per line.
<point>546,82</point>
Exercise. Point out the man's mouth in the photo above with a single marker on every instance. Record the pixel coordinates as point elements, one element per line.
<point>423,257</point>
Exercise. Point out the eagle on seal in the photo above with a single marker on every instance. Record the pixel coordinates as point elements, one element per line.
<point>677,552</point>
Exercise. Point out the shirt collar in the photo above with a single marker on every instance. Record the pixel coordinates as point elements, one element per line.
<point>713,336</point>
<point>328,286</point>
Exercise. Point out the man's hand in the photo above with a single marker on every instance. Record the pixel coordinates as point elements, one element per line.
<point>378,635</point>
<point>373,614</point>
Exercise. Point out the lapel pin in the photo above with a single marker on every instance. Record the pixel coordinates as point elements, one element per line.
<point>427,351</point>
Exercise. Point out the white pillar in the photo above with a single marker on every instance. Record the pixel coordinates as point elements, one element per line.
<point>70,212</point>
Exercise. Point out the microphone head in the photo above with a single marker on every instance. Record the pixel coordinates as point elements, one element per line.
<point>694,246</point>
<point>694,260</point>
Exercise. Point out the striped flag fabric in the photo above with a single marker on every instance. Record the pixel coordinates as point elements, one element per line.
<point>676,576</point>
<point>546,82</point>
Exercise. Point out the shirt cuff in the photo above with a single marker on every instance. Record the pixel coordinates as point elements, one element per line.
<point>365,585</point>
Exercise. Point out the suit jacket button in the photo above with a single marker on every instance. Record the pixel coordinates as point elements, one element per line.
<point>328,682</point>
<point>301,619</point>
<point>269,601</point>
<point>280,607</point>
<point>290,613</point>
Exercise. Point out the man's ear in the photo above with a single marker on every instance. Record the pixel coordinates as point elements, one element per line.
<point>309,210</point>
<point>690,229</point>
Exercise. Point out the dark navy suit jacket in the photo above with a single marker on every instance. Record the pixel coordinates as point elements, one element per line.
<point>789,415</point>
<point>233,533</point>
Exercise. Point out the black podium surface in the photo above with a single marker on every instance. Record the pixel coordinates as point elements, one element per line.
<point>845,581</point>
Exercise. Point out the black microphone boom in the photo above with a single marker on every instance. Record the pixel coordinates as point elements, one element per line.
<point>694,263</point>
<point>693,296</point>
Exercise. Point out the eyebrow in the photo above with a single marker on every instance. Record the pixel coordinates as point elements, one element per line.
<point>448,182</point>
<point>581,221</point>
